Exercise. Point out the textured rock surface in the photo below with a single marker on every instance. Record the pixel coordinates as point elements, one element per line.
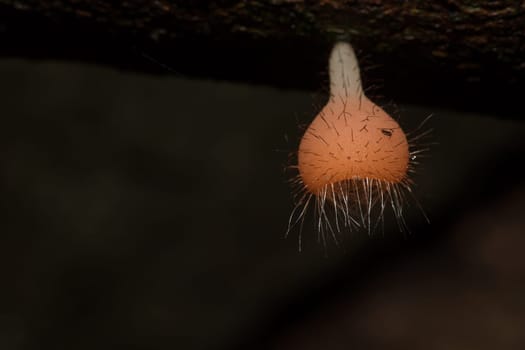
<point>466,54</point>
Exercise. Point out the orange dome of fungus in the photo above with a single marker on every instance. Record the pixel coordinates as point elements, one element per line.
<point>351,138</point>
<point>353,158</point>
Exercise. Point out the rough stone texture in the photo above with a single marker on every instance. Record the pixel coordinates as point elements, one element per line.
<point>465,54</point>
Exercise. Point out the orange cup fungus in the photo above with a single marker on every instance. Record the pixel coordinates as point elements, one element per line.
<point>353,156</point>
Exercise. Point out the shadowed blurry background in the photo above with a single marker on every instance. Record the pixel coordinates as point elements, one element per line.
<point>144,196</point>
<point>149,213</point>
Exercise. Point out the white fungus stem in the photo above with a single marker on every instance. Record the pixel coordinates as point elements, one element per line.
<point>345,79</point>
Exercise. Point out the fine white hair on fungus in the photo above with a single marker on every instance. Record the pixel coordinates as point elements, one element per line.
<point>354,160</point>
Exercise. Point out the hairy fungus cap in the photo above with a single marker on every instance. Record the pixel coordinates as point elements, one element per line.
<point>351,138</point>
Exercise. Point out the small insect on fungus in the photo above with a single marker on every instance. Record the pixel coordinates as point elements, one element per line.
<point>354,159</point>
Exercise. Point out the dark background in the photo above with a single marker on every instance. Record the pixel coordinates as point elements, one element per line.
<point>143,182</point>
<point>147,212</point>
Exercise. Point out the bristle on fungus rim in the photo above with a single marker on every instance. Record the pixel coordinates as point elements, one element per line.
<point>353,158</point>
